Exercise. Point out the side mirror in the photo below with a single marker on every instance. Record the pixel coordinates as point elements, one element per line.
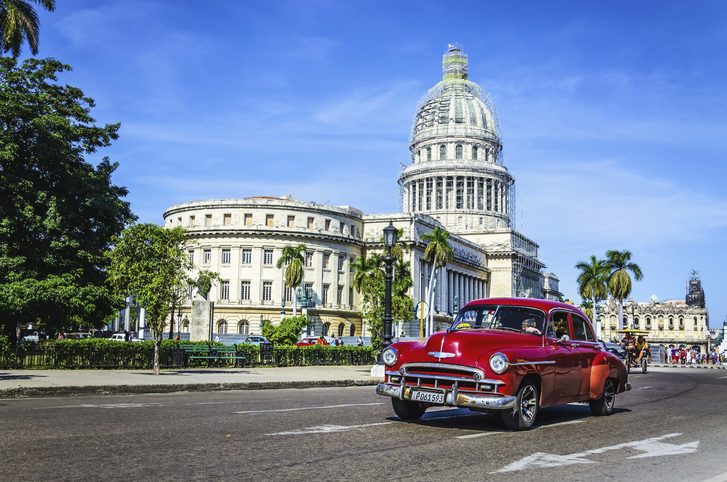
<point>564,339</point>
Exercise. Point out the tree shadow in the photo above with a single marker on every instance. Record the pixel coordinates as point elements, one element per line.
<point>197,372</point>
<point>15,376</point>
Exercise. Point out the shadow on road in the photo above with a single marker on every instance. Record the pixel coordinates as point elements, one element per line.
<point>197,372</point>
<point>8,376</point>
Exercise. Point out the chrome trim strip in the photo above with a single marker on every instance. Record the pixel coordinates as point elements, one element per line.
<point>441,354</point>
<point>520,364</point>
<point>485,381</point>
<point>445,366</point>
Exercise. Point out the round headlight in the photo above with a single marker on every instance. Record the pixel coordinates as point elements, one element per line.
<point>389,356</point>
<point>498,363</point>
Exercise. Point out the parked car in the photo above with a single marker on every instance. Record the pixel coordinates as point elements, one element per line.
<point>614,348</point>
<point>508,356</point>
<point>118,337</point>
<point>30,336</point>
<point>312,340</point>
<point>78,336</point>
<point>255,339</point>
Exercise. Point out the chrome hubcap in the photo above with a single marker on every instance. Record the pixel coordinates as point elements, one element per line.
<point>608,394</point>
<point>528,404</point>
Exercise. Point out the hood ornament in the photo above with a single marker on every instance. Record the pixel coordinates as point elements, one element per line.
<point>441,354</point>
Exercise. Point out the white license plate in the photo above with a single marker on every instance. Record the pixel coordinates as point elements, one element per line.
<point>429,397</point>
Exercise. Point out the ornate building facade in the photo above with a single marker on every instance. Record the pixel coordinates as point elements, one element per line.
<point>456,179</point>
<point>678,322</point>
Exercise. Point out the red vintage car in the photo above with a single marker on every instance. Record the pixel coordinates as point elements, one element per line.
<point>510,356</point>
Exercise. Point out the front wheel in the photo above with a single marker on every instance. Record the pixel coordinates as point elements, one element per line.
<point>522,415</point>
<point>407,410</point>
<point>604,405</point>
<point>643,365</point>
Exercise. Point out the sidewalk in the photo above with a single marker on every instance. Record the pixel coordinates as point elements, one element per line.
<point>53,383</point>
<point>669,365</point>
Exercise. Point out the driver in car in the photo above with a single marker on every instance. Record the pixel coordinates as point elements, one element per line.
<point>529,325</point>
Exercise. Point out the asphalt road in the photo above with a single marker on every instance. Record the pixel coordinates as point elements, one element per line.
<point>671,426</point>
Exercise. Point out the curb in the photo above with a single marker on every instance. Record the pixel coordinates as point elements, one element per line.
<point>708,367</point>
<point>25,392</point>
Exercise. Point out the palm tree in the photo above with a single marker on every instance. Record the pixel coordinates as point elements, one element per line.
<point>19,22</point>
<point>292,258</point>
<point>437,252</point>
<point>619,280</point>
<point>592,282</point>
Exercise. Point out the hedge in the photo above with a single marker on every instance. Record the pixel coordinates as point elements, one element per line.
<point>105,353</point>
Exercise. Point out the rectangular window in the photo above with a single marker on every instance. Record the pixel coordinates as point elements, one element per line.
<point>248,219</point>
<point>286,293</point>
<point>206,256</point>
<point>326,260</point>
<point>225,290</point>
<point>309,290</point>
<point>269,219</point>
<point>247,256</point>
<point>179,221</point>
<point>309,259</point>
<point>489,194</point>
<point>227,219</point>
<point>339,295</point>
<point>267,290</point>
<point>291,221</point>
<point>341,262</point>
<point>207,220</point>
<point>340,227</point>
<point>310,223</point>
<point>351,260</point>
<point>268,256</point>
<point>328,224</point>
<point>192,222</point>
<point>324,295</point>
<point>350,297</point>
<point>245,290</point>
<point>190,256</point>
<point>226,255</point>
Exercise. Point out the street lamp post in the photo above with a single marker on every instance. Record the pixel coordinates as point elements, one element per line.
<point>179,322</point>
<point>389,242</point>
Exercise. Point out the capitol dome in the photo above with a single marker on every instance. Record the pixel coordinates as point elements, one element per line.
<point>456,108</point>
<point>456,173</point>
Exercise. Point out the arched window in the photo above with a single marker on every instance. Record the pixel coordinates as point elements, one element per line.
<point>243,327</point>
<point>458,151</point>
<point>221,327</point>
<point>671,323</point>
<point>636,321</point>
<point>613,322</point>
<point>474,153</point>
<point>326,327</point>
<point>341,326</point>
<point>681,323</point>
<point>419,155</point>
<point>442,152</point>
<point>185,326</point>
<point>648,322</point>
<point>352,331</point>
<point>695,323</point>
<point>429,153</point>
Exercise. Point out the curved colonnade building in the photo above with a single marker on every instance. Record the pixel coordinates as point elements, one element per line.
<point>456,180</point>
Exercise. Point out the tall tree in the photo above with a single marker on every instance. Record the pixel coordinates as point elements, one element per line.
<point>592,284</point>
<point>19,22</point>
<point>293,258</point>
<point>619,279</point>
<point>150,263</point>
<point>58,212</point>
<point>402,305</point>
<point>437,252</point>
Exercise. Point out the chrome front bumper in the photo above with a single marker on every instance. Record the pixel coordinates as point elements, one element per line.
<point>452,398</point>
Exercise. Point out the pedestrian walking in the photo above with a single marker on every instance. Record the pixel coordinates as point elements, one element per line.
<point>359,341</point>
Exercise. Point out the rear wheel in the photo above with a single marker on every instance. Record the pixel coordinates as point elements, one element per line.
<point>407,410</point>
<point>604,405</point>
<point>522,415</point>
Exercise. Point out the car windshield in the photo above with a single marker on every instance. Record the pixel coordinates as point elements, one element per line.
<point>501,317</point>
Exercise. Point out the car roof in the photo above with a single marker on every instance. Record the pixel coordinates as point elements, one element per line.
<point>545,305</point>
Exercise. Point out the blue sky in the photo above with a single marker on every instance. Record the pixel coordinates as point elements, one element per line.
<point>612,113</point>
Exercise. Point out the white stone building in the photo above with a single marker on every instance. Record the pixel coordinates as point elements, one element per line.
<point>456,180</point>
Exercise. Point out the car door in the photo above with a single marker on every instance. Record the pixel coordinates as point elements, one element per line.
<point>587,347</point>
<point>567,358</point>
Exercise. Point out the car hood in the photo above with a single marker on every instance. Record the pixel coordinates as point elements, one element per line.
<point>467,345</point>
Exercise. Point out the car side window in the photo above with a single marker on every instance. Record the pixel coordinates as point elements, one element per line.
<point>580,332</point>
<point>558,323</point>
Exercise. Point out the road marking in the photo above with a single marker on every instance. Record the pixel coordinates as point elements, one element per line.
<point>110,405</point>
<point>329,429</point>
<point>717,478</point>
<point>324,407</point>
<point>475,435</point>
<point>643,388</point>
<point>721,378</point>
<point>652,447</point>
<point>567,422</point>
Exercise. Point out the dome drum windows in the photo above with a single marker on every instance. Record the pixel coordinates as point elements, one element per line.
<point>458,151</point>
<point>474,153</point>
<point>442,152</point>
<point>429,153</point>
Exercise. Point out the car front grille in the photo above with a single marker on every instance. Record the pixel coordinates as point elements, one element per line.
<point>443,376</point>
